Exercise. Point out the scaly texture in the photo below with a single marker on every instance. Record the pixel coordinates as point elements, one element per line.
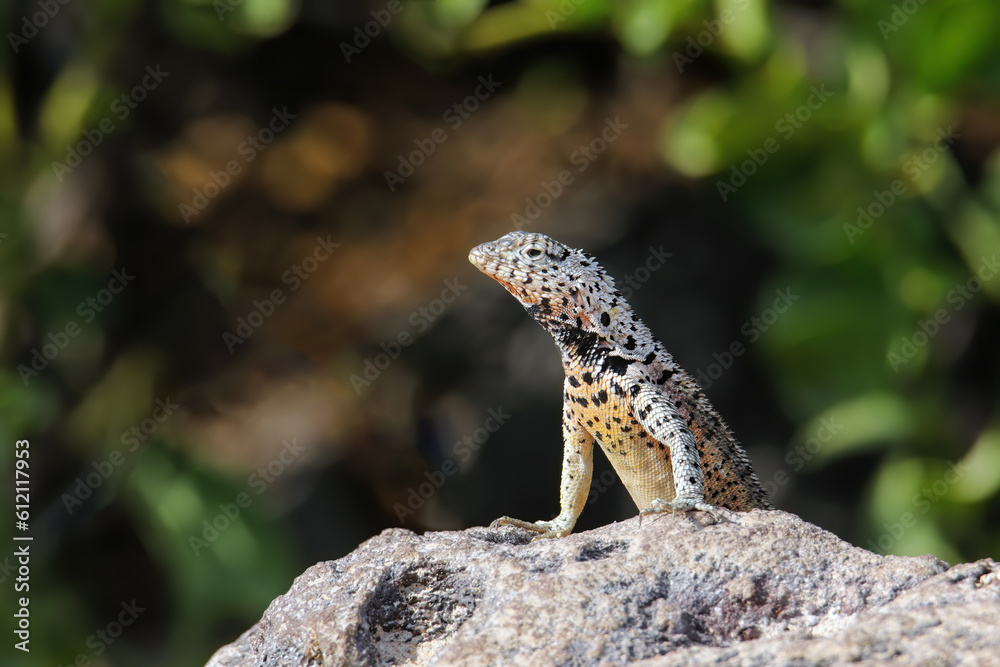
<point>668,445</point>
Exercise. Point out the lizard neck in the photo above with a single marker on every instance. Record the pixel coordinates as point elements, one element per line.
<point>624,338</point>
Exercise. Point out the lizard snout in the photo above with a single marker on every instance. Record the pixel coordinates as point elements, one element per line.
<point>480,255</point>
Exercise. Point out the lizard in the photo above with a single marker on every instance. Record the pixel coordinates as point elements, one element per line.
<point>622,389</point>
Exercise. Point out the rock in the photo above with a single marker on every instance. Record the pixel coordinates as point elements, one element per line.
<point>758,588</point>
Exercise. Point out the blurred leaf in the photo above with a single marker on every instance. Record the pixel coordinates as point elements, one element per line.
<point>644,25</point>
<point>857,425</point>
<point>982,469</point>
<point>749,32</point>
<point>66,106</point>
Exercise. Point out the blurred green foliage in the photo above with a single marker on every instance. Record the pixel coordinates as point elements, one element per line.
<point>855,142</point>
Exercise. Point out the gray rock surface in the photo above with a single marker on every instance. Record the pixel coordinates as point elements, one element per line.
<point>760,588</point>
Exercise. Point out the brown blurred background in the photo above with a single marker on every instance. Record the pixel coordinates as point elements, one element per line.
<point>241,334</point>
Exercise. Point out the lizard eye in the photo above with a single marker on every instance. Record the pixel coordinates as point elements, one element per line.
<point>533,252</point>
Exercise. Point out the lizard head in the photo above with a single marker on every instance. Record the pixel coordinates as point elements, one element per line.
<point>559,286</point>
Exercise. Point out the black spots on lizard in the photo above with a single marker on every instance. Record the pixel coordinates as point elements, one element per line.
<point>580,400</point>
<point>540,311</point>
<point>615,364</point>
<point>634,390</point>
<point>600,398</point>
<point>605,319</point>
<point>665,375</point>
<point>630,343</point>
<point>650,358</point>
<point>625,429</point>
<point>577,342</point>
<point>588,378</point>
<point>617,388</point>
<point>642,412</point>
<point>573,381</point>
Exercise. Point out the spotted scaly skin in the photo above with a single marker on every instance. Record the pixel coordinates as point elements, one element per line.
<point>667,443</point>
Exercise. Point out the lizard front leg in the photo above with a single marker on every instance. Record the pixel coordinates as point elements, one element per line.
<point>663,422</point>
<point>577,469</point>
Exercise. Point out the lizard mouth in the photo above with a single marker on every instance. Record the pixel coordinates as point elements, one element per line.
<point>484,258</point>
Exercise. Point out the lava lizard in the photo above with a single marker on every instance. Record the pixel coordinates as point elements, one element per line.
<point>667,443</point>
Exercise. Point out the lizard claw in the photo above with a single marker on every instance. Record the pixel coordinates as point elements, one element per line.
<point>545,529</point>
<point>680,504</point>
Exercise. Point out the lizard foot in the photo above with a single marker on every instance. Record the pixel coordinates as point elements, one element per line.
<point>679,504</point>
<point>545,529</point>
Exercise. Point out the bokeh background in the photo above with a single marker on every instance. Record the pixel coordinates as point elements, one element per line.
<point>802,197</point>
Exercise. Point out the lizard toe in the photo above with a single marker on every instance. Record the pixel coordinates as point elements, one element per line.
<point>679,504</point>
